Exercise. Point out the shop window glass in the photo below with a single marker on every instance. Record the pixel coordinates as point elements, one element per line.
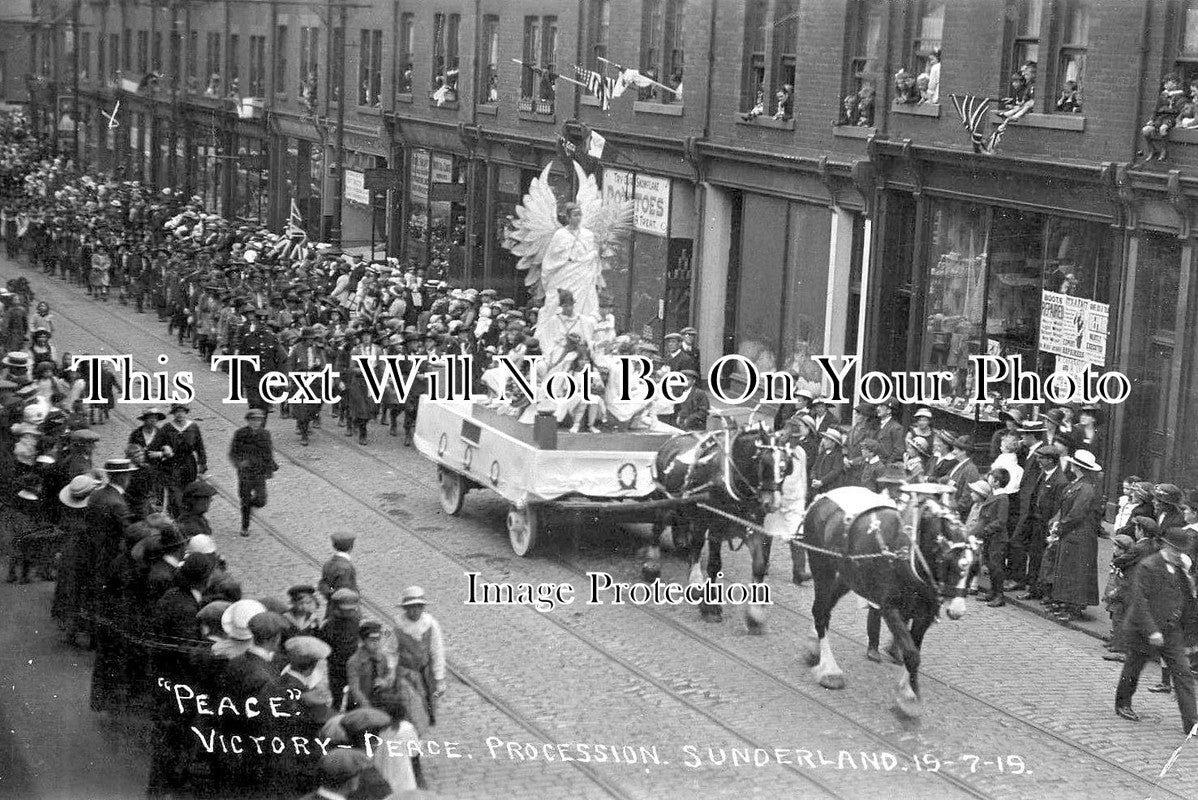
<point>598,25</point>
<point>1187,42</point>
<point>407,41</point>
<point>957,252</point>
<point>929,33</point>
<point>863,68</point>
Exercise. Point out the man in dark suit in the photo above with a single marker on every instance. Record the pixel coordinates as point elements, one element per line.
<point>691,413</point>
<point>824,417</point>
<point>1022,502</point>
<point>890,433</point>
<point>107,512</point>
<point>1032,533</point>
<point>963,473</point>
<point>252,454</point>
<point>340,771</point>
<point>1161,606</point>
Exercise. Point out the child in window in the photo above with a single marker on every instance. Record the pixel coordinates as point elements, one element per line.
<point>1188,116</point>
<point>904,87</point>
<point>865,107</point>
<point>922,94</point>
<point>1070,100</point>
<point>758,106</point>
<point>848,110</point>
<point>1018,92</point>
<point>782,100</point>
<point>1164,118</point>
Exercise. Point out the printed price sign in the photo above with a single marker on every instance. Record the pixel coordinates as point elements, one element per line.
<point>1074,327</point>
<point>652,211</point>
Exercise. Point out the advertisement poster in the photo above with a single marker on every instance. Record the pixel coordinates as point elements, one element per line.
<point>652,198</point>
<point>1074,327</point>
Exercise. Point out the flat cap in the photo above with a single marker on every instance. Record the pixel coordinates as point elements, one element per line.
<point>307,647</point>
<point>267,624</point>
<point>345,597</point>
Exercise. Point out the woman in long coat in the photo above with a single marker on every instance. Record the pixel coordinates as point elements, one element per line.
<point>74,594</point>
<point>1075,585</point>
<point>188,459</point>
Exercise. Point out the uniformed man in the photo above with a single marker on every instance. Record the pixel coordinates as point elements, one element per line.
<point>259,341</point>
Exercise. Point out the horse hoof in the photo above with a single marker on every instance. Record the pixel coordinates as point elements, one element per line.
<point>909,706</point>
<point>833,680</point>
<point>650,572</point>
<point>755,619</point>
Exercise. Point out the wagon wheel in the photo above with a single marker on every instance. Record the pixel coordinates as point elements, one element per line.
<point>453,490</point>
<point>523,529</point>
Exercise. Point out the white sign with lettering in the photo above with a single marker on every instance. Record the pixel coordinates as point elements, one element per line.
<point>617,186</point>
<point>355,188</point>
<point>652,213</point>
<point>419,178</point>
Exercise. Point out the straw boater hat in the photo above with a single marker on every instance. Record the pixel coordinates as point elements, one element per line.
<point>1084,459</point>
<point>928,488</point>
<point>153,411</point>
<point>117,465</point>
<point>835,435</point>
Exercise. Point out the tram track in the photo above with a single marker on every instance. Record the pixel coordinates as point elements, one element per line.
<point>681,628</point>
<point>609,786</point>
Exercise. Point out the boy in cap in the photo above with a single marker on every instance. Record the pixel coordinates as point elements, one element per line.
<point>340,774</point>
<point>252,454</point>
<point>367,670</point>
<point>340,632</point>
<point>339,572</point>
<point>1129,550</point>
<point>304,614</point>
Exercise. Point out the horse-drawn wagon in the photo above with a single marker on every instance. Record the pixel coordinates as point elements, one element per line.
<point>540,469</point>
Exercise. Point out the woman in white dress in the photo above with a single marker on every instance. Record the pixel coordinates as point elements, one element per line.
<point>571,263</point>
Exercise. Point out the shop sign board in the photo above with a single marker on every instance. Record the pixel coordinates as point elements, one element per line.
<point>382,178</point>
<point>355,188</point>
<point>652,209</point>
<point>1074,327</point>
<point>442,169</point>
<point>617,186</point>
<point>419,180</point>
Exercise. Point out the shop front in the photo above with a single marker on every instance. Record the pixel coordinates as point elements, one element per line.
<point>649,279</point>
<point>299,160</point>
<point>437,218</point>
<point>363,210</point>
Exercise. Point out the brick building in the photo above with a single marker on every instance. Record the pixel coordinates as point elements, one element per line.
<point>789,200</point>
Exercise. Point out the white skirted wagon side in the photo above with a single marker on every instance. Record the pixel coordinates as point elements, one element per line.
<point>539,468</point>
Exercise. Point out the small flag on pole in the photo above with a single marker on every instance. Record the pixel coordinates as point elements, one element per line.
<point>295,222</point>
<point>112,121</point>
<point>599,86</point>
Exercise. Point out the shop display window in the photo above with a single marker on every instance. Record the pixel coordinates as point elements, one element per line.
<point>992,273</point>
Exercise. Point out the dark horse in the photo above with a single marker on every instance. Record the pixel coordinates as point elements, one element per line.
<point>738,472</point>
<point>877,557</point>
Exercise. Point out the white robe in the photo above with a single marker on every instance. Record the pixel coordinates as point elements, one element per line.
<point>571,263</point>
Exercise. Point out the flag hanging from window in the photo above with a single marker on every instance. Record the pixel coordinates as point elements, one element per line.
<point>601,88</point>
<point>973,111</point>
<point>595,145</point>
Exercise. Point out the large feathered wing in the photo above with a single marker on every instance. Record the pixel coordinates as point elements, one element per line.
<point>529,233</point>
<point>611,222</point>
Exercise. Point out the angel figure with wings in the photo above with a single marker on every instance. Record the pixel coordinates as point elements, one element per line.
<point>571,257</point>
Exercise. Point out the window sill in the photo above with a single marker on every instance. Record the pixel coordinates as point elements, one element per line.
<point>1056,122</point>
<point>1185,135</point>
<point>767,122</point>
<point>664,109</point>
<point>487,108</point>
<point>916,109</point>
<point>370,110</point>
<point>588,100</point>
<point>448,105</point>
<point>403,97</point>
<point>853,131</point>
<point>529,116</point>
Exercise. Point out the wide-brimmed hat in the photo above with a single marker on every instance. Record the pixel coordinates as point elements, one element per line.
<point>1168,493</point>
<point>345,597</point>
<point>1055,416</point>
<point>1148,525</point>
<point>835,434</point>
<point>75,493</point>
<point>84,435</point>
<point>921,446</point>
<point>413,596</point>
<point>928,488</point>
<point>152,412</point>
<point>982,487</point>
<point>16,359</point>
<point>114,465</point>
<point>236,619</point>
<point>1035,426</point>
<point>923,412</point>
<point>1011,415</point>
<point>1084,459</point>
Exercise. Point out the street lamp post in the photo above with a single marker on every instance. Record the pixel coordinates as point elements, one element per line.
<point>338,166</point>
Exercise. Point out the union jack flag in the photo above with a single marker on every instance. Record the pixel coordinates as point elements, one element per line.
<point>597,85</point>
<point>972,110</point>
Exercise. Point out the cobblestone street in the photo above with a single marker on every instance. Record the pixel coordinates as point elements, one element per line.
<point>1015,705</point>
